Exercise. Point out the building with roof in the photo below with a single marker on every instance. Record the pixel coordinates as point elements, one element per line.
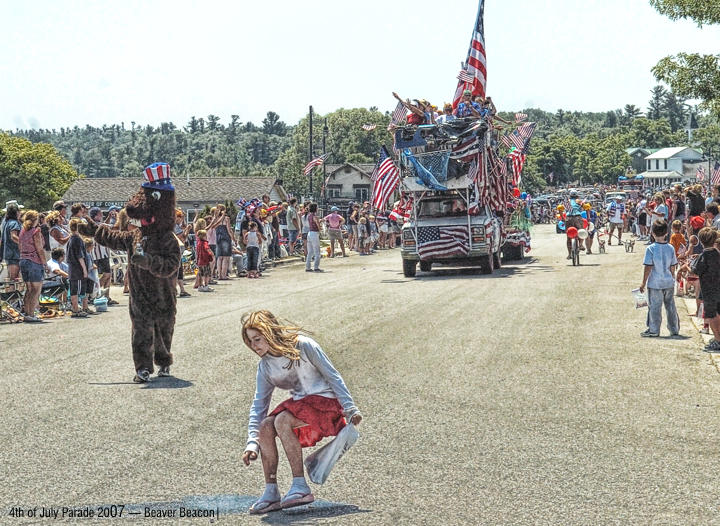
<point>638,158</point>
<point>348,182</point>
<point>190,194</point>
<point>668,166</point>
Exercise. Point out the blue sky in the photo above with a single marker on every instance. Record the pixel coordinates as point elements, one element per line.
<point>67,63</point>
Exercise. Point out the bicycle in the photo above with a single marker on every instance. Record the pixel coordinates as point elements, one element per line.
<point>575,251</point>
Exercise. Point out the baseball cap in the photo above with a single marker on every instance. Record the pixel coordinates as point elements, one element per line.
<point>116,208</point>
<point>334,209</point>
<point>93,211</point>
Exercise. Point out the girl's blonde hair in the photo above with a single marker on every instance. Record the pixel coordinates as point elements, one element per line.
<point>202,233</point>
<point>281,338</point>
<point>29,218</point>
<point>52,218</point>
<point>200,224</point>
<point>75,222</point>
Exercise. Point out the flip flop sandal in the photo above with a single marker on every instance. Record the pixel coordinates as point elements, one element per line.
<point>296,499</point>
<point>264,506</point>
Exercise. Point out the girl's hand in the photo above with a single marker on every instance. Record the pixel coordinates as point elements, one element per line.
<point>356,419</point>
<point>249,456</point>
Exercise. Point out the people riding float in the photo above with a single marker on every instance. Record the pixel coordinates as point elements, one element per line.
<point>467,107</point>
<point>420,113</point>
<point>573,218</point>
<point>319,404</point>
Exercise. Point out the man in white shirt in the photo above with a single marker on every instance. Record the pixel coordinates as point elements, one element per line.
<point>615,211</point>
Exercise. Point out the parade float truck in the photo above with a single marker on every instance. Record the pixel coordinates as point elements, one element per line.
<point>458,204</point>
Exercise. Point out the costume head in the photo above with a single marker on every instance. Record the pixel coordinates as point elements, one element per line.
<point>154,204</point>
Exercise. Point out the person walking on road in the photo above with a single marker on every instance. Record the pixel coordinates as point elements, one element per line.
<point>659,277</point>
<point>319,404</point>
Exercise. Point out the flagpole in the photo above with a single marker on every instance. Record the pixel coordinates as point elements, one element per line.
<point>310,158</point>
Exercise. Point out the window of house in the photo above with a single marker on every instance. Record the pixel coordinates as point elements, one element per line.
<point>666,164</point>
<point>362,192</point>
<point>334,190</point>
<point>657,164</point>
<point>649,164</point>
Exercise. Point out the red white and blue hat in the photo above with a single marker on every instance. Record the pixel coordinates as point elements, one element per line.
<point>157,176</point>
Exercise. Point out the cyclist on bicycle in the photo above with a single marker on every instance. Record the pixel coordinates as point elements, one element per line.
<point>573,218</point>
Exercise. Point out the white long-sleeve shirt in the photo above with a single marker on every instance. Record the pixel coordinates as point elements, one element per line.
<point>313,374</point>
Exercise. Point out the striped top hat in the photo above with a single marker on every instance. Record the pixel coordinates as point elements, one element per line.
<point>157,176</point>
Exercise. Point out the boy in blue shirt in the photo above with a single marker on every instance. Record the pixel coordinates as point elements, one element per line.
<point>659,277</point>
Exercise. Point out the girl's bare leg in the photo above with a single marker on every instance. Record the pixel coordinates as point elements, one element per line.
<point>268,449</point>
<point>285,422</point>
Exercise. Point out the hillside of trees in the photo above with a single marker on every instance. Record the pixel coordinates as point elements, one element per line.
<point>574,146</point>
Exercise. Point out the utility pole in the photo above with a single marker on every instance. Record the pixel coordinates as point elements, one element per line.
<point>324,185</point>
<point>709,172</point>
<point>310,158</point>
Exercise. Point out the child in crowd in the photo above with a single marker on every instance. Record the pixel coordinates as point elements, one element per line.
<point>318,406</point>
<point>677,239</point>
<point>707,268</point>
<point>205,260</point>
<point>373,233</point>
<point>659,277</point>
<point>363,237</point>
<point>92,280</point>
<point>253,240</point>
<point>78,270</point>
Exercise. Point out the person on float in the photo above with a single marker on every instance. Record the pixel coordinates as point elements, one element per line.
<point>317,408</point>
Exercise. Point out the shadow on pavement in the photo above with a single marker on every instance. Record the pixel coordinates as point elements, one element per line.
<point>167,382</point>
<point>307,514</point>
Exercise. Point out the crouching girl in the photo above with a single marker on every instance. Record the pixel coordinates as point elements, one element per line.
<point>319,400</point>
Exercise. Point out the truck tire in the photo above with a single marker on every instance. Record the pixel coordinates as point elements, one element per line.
<point>511,253</point>
<point>487,264</point>
<point>409,268</point>
<point>426,266</point>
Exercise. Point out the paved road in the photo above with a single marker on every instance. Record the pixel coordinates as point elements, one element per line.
<point>526,397</point>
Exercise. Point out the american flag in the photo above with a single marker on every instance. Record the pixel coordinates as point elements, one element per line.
<point>385,179</point>
<point>526,130</point>
<point>443,241</point>
<point>464,76</point>
<point>700,174</point>
<point>475,65</point>
<point>398,114</point>
<point>517,141</point>
<point>519,117</point>
<point>505,140</point>
<point>466,149</point>
<point>369,127</point>
<point>716,174</point>
<point>518,161</point>
<point>318,161</point>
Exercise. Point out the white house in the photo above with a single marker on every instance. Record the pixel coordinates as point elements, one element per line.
<point>668,166</point>
<point>348,182</point>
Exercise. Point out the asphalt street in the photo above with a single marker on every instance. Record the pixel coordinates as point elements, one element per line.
<point>525,397</point>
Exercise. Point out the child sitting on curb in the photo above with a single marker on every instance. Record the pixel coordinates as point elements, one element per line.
<point>659,277</point>
<point>707,268</point>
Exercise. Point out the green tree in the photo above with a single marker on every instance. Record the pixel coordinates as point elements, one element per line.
<point>34,174</point>
<point>657,102</point>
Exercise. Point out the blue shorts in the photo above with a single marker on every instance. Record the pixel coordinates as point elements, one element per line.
<point>292,235</point>
<point>31,272</point>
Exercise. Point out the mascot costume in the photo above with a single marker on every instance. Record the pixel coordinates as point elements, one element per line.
<point>153,261</point>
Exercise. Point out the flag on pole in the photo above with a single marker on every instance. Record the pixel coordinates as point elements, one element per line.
<point>386,178</point>
<point>318,161</point>
<point>464,76</point>
<point>716,173</point>
<point>398,114</point>
<point>519,117</point>
<point>475,64</point>
<point>369,127</point>
<point>700,174</point>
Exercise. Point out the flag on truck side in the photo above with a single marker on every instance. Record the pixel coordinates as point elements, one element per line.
<point>318,161</point>
<point>443,241</point>
<point>475,64</point>
<point>385,179</point>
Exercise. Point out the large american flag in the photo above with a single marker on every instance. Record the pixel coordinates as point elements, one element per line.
<point>443,241</point>
<point>385,179</point>
<point>318,161</point>
<point>475,65</point>
<point>716,173</point>
<point>398,114</point>
<point>700,174</point>
<point>518,161</point>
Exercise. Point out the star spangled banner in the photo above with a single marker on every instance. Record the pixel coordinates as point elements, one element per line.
<point>475,64</point>
<point>700,173</point>
<point>386,178</point>
<point>716,174</point>
<point>398,114</point>
<point>318,161</point>
<point>443,241</point>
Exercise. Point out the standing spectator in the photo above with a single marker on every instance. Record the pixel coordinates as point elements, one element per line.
<point>59,233</point>
<point>212,222</point>
<point>91,282</point>
<point>238,223</point>
<point>363,239</point>
<point>205,258</point>
<point>112,215</point>
<point>32,263</point>
<point>293,224</point>
<point>313,239</point>
<point>182,231</point>
<point>659,212</point>
<point>10,238</point>
<point>678,206</point>
<point>78,270</point>
<point>707,268</point>
<point>282,219</point>
<point>696,203</point>
<point>78,211</point>
<point>712,215</point>
<point>101,256</point>
<point>352,223</point>
<point>373,231</point>
<point>253,240</point>
<point>659,277</point>
<point>335,224</point>
<point>714,195</point>
<point>223,242</point>
<point>305,227</point>
<point>616,211</point>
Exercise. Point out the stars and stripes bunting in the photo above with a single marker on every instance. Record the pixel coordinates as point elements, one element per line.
<point>318,161</point>
<point>700,173</point>
<point>716,174</point>
<point>466,149</point>
<point>443,241</point>
<point>475,64</point>
<point>519,117</point>
<point>386,179</point>
<point>369,127</point>
<point>398,114</point>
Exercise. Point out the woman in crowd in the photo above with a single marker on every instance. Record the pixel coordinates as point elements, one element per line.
<point>223,242</point>
<point>305,227</point>
<point>10,241</point>
<point>32,263</point>
<point>313,239</point>
<point>198,225</point>
<point>319,404</point>
<point>181,232</point>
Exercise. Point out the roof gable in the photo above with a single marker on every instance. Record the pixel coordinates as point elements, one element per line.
<point>667,153</point>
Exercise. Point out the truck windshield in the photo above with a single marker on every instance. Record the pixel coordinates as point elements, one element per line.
<point>454,206</point>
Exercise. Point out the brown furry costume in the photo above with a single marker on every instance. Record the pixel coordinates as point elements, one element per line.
<point>152,275</point>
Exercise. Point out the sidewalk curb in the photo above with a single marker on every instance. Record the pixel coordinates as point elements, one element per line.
<point>698,323</point>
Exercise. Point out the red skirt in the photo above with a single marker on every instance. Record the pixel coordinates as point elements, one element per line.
<point>323,416</point>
